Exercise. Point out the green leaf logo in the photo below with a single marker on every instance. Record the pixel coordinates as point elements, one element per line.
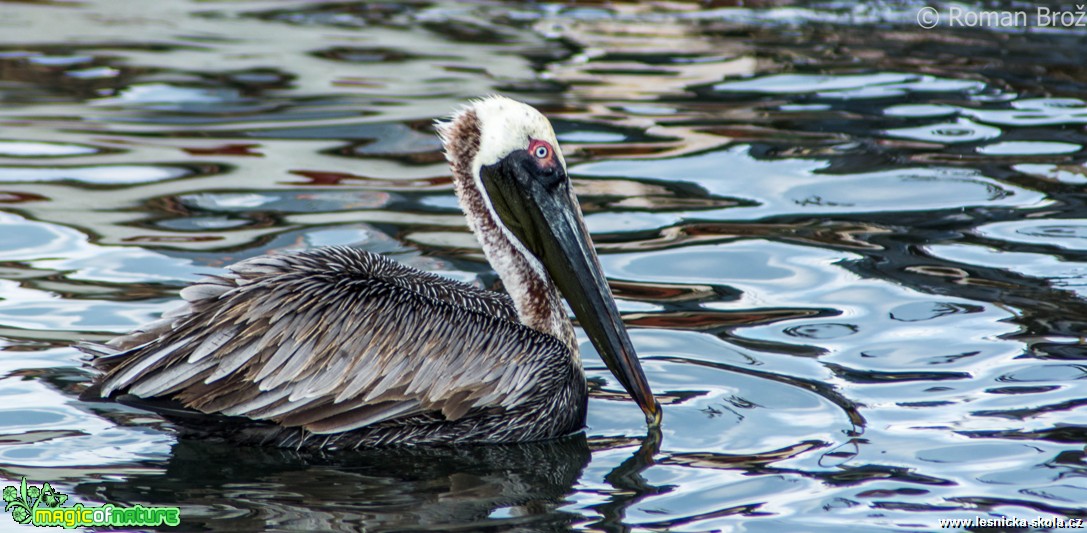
<point>22,500</point>
<point>51,497</point>
<point>20,514</point>
<point>18,503</point>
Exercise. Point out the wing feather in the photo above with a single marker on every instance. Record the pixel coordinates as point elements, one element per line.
<point>230,363</point>
<point>212,343</point>
<point>361,417</point>
<point>334,339</point>
<point>134,368</point>
<point>170,379</point>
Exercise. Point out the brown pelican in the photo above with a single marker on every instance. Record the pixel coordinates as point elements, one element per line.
<point>336,347</point>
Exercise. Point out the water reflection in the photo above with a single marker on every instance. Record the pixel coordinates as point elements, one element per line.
<point>474,487</point>
<point>851,251</point>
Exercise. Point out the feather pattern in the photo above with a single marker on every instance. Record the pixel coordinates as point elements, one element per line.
<point>337,347</point>
<point>374,353</point>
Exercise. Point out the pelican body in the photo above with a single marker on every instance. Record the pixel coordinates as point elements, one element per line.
<point>340,348</point>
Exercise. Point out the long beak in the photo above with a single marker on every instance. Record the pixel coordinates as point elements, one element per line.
<point>574,267</point>
<point>556,233</point>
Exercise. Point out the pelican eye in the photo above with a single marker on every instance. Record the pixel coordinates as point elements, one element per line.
<point>541,152</point>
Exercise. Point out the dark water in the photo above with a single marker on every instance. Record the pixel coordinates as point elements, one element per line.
<point>853,252</point>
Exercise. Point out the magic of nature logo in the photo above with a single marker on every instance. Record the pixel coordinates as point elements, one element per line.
<point>42,506</point>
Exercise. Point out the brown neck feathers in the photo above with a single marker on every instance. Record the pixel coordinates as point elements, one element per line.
<point>535,296</point>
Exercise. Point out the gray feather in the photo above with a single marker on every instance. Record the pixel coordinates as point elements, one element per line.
<point>339,341</point>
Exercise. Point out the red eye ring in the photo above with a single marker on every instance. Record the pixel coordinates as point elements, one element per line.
<point>541,150</point>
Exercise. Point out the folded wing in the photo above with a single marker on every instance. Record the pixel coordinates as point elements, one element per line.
<point>331,340</point>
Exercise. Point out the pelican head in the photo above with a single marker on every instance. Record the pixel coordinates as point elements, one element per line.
<point>511,181</point>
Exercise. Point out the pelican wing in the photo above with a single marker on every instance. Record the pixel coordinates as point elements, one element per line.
<point>331,340</point>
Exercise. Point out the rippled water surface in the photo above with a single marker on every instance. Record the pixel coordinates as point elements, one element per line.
<point>852,252</point>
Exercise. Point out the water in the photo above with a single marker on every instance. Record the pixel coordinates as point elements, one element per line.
<point>853,253</point>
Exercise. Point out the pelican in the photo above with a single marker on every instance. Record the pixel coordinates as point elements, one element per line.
<point>340,348</point>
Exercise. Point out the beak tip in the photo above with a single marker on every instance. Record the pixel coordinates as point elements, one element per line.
<point>653,416</point>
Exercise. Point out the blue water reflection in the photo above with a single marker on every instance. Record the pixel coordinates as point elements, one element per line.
<point>851,252</point>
